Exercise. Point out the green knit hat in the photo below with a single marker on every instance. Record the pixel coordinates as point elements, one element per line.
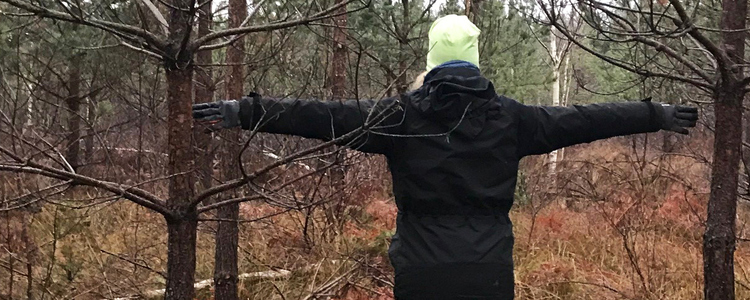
<point>453,37</point>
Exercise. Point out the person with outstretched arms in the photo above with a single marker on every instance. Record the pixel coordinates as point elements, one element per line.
<point>453,147</point>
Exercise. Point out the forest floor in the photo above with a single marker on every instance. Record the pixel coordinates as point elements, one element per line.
<point>631,229</point>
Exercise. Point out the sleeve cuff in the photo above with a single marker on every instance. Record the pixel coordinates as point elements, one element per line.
<point>655,114</point>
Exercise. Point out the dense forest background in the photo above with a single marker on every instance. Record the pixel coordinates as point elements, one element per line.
<point>109,191</point>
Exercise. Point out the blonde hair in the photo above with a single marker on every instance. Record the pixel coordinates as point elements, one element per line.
<point>418,81</point>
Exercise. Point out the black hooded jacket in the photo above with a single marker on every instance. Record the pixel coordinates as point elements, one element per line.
<point>453,148</point>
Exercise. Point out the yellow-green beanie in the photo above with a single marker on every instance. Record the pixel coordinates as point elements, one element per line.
<point>453,37</point>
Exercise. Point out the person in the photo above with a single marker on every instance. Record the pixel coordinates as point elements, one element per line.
<point>453,147</point>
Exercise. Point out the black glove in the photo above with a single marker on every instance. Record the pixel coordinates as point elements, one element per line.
<point>224,113</point>
<point>676,118</point>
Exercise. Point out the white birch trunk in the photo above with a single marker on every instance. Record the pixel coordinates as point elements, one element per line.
<point>29,111</point>
<point>553,157</point>
<point>565,92</point>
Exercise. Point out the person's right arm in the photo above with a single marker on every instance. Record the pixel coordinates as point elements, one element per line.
<point>326,120</point>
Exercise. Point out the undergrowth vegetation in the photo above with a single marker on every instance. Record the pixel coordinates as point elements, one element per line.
<point>623,221</point>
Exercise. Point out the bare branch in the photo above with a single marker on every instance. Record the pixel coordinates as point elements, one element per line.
<point>261,275</point>
<point>242,181</point>
<point>220,203</point>
<point>101,24</point>
<point>620,64</point>
<point>237,37</point>
<point>327,13</point>
<point>135,263</point>
<point>159,17</point>
<point>673,54</point>
<point>289,158</point>
<point>137,195</point>
<point>125,192</point>
<point>140,49</point>
<point>721,57</point>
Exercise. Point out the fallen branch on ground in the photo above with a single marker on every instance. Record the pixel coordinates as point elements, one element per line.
<point>254,276</point>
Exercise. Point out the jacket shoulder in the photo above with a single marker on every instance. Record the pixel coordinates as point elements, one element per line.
<point>510,105</point>
<point>505,100</point>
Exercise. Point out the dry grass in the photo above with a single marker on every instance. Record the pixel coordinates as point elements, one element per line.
<point>632,230</point>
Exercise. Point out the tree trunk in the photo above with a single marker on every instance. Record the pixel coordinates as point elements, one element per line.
<point>73,102</point>
<point>225,268</point>
<point>403,46</point>
<point>401,83</point>
<point>204,92</point>
<point>746,151</point>
<point>564,99</point>
<point>555,93</point>
<point>181,227</point>
<point>227,233</point>
<point>338,61</point>
<point>29,124</point>
<point>472,10</point>
<point>88,141</point>
<point>667,143</point>
<point>719,239</point>
<point>181,235</point>
<point>338,93</point>
<point>31,249</point>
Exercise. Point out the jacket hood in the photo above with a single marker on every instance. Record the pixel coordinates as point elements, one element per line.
<point>452,93</point>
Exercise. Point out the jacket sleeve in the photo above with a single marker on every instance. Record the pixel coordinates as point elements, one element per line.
<point>366,122</point>
<point>545,128</point>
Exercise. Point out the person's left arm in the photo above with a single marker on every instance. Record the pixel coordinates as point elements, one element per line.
<point>546,128</point>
